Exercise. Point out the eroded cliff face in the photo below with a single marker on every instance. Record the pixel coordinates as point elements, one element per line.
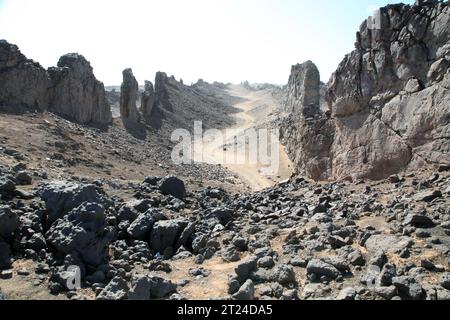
<point>389,101</point>
<point>70,90</point>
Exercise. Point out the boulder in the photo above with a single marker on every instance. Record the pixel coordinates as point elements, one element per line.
<point>9,222</point>
<point>246,292</point>
<point>5,255</point>
<point>23,82</point>
<point>117,289</point>
<point>148,101</point>
<point>244,269</point>
<point>60,197</point>
<point>387,243</point>
<point>321,268</point>
<point>303,88</point>
<point>408,287</point>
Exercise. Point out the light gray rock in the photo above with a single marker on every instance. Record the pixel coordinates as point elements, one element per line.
<point>348,293</point>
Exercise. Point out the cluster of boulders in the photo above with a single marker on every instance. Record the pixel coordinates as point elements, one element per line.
<point>297,240</point>
<point>388,100</point>
<point>70,89</point>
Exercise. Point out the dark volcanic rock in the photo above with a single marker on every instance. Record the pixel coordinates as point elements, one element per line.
<point>165,234</point>
<point>389,101</point>
<point>141,227</point>
<point>320,268</point>
<point>117,289</point>
<point>23,82</point>
<point>62,196</point>
<point>128,97</point>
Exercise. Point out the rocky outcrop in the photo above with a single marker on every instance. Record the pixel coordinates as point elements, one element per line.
<point>306,131</point>
<point>303,88</point>
<point>389,101</point>
<point>147,101</point>
<point>23,82</point>
<point>70,90</point>
<point>76,93</point>
<point>178,105</point>
<point>128,97</point>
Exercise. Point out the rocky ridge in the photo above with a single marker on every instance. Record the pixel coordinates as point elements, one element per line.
<point>70,90</point>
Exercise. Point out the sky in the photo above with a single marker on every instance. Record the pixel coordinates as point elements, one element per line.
<point>215,40</point>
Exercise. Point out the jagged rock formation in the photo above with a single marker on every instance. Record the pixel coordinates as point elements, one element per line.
<point>389,101</point>
<point>147,101</point>
<point>76,93</point>
<point>23,82</point>
<point>178,105</point>
<point>70,90</point>
<point>303,87</point>
<point>128,96</point>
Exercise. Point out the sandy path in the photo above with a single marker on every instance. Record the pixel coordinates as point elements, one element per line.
<point>220,147</point>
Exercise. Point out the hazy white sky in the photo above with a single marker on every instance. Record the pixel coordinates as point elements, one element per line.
<point>217,40</point>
